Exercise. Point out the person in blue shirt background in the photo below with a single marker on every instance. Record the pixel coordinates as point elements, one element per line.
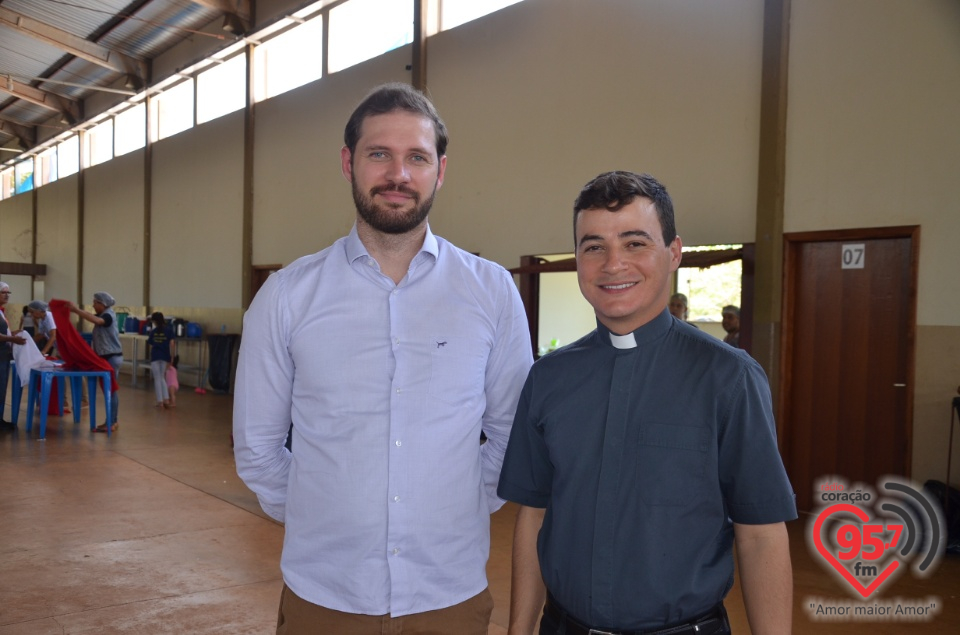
<point>163,346</point>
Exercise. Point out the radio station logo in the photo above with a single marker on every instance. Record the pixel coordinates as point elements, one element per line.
<point>867,538</point>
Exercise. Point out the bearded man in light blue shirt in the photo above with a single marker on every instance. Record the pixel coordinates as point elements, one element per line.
<point>389,351</point>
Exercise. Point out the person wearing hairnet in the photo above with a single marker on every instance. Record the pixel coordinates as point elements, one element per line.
<point>106,341</point>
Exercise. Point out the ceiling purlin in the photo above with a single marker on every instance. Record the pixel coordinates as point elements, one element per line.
<point>67,108</point>
<point>77,46</point>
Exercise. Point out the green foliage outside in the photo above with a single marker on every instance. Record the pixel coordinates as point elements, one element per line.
<point>709,290</point>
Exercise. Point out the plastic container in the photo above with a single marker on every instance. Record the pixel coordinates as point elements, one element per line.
<point>122,321</point>
<point>131,325</point>
<point>194,330</point>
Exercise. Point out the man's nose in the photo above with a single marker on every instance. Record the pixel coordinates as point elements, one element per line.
<point>613,261</point>
<point>398,171</point>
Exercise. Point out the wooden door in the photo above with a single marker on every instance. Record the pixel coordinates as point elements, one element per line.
<point>849,324</point>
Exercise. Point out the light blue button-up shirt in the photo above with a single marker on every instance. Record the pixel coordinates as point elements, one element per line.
<point>388,492</point>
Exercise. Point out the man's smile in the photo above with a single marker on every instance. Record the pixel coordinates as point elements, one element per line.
<point>617,287</point>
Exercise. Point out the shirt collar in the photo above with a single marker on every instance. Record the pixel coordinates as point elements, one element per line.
<point>652,330</point>
<point>355,249</point>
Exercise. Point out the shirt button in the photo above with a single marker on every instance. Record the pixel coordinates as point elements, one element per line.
<point>396,550</point>
<point>398,391</point>
<point>396,291</point>
<point>396,341</point>
<point>396,499</point>
<point>398,443</point>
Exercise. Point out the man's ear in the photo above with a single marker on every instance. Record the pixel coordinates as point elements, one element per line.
<point>676,253</point>
<point>441,171</point>
<point>346,163</point>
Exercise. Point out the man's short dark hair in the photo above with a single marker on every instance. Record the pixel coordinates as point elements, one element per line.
<point>614,190</point>
<point>389,98</point>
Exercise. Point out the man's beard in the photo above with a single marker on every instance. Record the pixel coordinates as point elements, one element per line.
<point>387,219</point>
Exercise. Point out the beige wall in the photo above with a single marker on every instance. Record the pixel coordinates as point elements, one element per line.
<point>544,95</point>
<point>58,224</point>
<point>113,237</point>
<point>16,245</point>
<point>16,228</point>
<point>540,97</point>
<point>196,218</point>
<point>302,203</point>
<point>873,140</point>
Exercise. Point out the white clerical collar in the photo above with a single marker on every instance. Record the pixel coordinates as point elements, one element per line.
<point>623,341</point>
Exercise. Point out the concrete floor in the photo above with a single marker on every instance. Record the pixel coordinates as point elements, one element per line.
<point>152,532</point>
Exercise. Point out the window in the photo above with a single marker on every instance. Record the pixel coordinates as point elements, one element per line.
<point>174,110</point>
<point>130,130</point>
<point>99,143</point>
<point>455,12</point>
<point>355,37</point>
<point>709,290</point>
<point>222,89</point>
<point>47,166</point>
<point>68,156</point>
<point>289,60</point>
<point>23,175</point>
<point>6,183</point>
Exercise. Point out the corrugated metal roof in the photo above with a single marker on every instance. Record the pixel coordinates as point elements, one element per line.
<point>79,17</point>
<point>158,27</point>
<point>141,29</point>
<point>24,56</point>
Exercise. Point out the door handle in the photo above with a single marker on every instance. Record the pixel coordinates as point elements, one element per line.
<point>899,385</point>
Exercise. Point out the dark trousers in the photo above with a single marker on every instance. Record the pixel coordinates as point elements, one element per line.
<point>4,375</point>
<point>551,626</point>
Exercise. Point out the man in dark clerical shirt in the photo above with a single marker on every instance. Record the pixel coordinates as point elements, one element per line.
<point>640,453</point>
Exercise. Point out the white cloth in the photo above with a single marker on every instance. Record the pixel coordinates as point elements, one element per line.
<point>27,357</point>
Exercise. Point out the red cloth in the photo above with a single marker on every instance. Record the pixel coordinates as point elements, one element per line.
<point>74,350</point>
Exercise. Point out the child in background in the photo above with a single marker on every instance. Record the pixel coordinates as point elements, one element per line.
<point>26,321</point>
<point>162,350</point>
<point>173,384</point>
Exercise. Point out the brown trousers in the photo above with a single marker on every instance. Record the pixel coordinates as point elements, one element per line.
<point>299,617</point>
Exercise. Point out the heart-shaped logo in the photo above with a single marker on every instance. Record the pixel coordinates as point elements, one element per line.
<point>830,557</point>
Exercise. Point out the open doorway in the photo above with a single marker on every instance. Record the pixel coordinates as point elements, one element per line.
<point>558,314</point>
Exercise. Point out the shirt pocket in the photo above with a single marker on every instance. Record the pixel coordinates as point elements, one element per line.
<point>457,369</point>
<point>671,463</point>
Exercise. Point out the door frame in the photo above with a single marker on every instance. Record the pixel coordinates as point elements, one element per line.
<point>792,243</point>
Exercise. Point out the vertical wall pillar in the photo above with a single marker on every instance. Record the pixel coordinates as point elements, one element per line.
<point>770,189</point>
<point>249,128</point>
<point>419,63</point>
